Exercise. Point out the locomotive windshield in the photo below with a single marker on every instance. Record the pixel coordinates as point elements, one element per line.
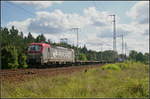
<point>34,48</point>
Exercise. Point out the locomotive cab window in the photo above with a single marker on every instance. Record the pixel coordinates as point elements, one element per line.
<point>34,48</point>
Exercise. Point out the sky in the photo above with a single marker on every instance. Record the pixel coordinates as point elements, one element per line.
<point>55,19</point>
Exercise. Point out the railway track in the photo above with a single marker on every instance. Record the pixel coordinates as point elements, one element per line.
<point>18,75</point>
<point>67,64</point>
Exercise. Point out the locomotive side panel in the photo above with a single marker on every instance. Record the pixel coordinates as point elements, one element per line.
<point>58,54</point>
<point>73,56</point>
<point>45,55</point>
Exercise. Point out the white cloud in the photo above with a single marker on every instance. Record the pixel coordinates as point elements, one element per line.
<point>138,39</point>
<point>95,25</point>
<point>97,18</point>
<point>95,43</point>
<point>140,12</point>
<point>20,25</point>
<point>58,22</point>
<point>136,33</point>
<point>38,4</point>
<point>107,31</point>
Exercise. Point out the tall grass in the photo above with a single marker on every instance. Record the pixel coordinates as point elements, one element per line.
<point>131,80</point>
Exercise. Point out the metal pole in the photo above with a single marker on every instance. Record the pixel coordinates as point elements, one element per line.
<point>77,37</point>
<point>76,29</point>
<point>125,48</point>
<point>122,47</point>
<point>114,35</point>
<point>77,43</point>
<point>101,52</point>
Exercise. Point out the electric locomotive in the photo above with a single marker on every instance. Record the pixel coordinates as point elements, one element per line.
<point>42,53</point>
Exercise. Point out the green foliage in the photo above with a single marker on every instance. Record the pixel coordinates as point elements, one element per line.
<point>127,83</point>
<point>12,44</point>
<point>98,83</point>
<point>134,87</point>
<point>146,58</point>
<point>125,65</point>
<point>11,52</point>
<point>30,38</point>
<point>138,87</point>
<point>109,55</point>
<point>139,57</point>
<point>22,61</point>
<point>41,38</point>
<point>132,55</point>
<point>82,57</point>
<point>122,65</point>
<point>111,67</point>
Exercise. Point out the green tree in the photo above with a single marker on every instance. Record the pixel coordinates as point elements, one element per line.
<point>13,31</point>
<point>21,35</point>
<point>84,50</point>
<point>4,34</point>
<point>110,55</point>
<point>41,38</point>
<point>9,57</point>
<point>82,57</point>
<point>30,38</point>
<point>132,55</point>
<point>146,57</point>
<point>22,61</point>
<point>140,57</point>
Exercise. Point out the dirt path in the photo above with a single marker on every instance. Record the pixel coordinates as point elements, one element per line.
<point>18,75</point>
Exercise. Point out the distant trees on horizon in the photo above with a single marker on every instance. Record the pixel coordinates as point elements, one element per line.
<point>14,45</point>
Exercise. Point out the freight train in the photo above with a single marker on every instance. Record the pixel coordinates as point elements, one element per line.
<point>47,55</point>
<point>42,53</point>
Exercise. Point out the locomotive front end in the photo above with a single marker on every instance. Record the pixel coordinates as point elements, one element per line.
<point>34,54</point>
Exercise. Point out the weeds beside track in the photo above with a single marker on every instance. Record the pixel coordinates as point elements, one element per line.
<point>100,82</point>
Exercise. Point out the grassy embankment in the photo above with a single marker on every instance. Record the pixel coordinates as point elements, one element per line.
<point>116,80</point>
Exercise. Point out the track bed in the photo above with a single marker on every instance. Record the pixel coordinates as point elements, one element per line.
<point>18,75</point>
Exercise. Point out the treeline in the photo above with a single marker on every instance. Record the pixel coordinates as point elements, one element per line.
<point>14,46</point>
<point>139,57</point>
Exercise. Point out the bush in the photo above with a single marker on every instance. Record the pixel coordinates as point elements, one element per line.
<point>122,65</point>
<point>9,57</point>
<point>111,66</point>
<point>117,66</point>
<point>22,61</point>
<point>82,57</point>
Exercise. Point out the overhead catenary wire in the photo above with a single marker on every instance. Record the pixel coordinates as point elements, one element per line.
<point>28,12</point>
